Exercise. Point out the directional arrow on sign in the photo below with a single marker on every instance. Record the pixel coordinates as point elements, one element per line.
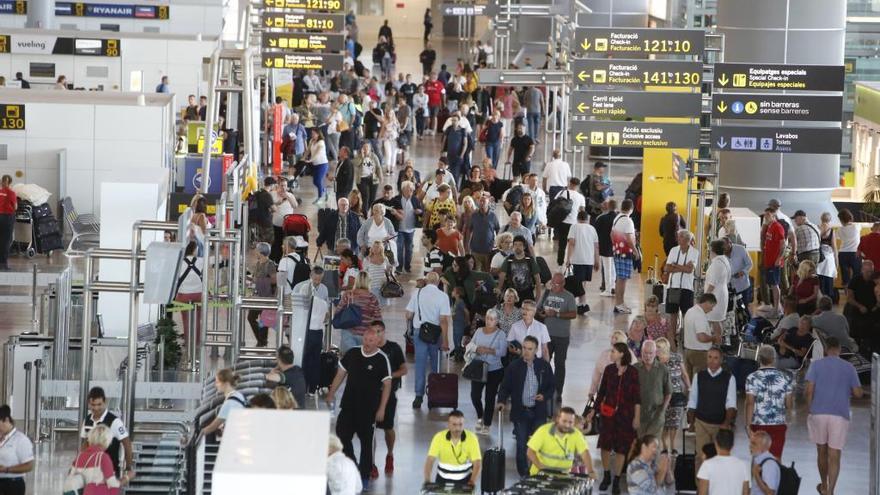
<point>269,22</point>
<point>581,137</point>
<point>722,107</point>
<point>583,76</point>
<point>583,107</point>
<point>586,45</point>
<point>273,42</point>
<point>722,143</point>
<point>723,80</point>
<point>268,62</point>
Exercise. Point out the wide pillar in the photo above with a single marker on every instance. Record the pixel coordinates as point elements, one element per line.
<point>40,14</point>
<point>787,32</point>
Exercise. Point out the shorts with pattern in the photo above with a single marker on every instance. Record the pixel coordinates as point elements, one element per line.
<point>623,267</point>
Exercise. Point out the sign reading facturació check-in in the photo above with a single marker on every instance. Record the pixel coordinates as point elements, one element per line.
<point>639,41</point>
<point>637,73</point>
<point>634,134</point>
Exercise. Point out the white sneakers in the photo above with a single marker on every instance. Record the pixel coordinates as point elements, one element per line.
<point>606,293</point>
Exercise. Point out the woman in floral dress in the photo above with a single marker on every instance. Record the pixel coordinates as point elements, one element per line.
<point>680,385</point>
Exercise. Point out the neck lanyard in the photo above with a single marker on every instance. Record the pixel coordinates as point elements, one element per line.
<point>460,449</point>
<point>562,445</point>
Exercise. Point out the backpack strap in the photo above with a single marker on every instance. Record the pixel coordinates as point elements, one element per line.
<point>295,261</point>
<point>236,399</point>
<point>190,267</point>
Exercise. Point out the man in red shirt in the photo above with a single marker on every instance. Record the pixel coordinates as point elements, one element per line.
<point>8,205</point>
<point>773,249</point>
<point>869,245</point>
<point>435,91</point>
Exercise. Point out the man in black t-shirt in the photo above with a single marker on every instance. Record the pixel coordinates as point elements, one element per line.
<point>521,147</point>
<point>603,225</point>
<point>364,400</point>
<point>397,361</point>
<point>861,303</point>
<point>408,89</point>
<point>289,375</point>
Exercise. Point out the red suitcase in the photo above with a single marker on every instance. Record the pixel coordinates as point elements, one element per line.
<point>297,224</point>
<point>443,389</point>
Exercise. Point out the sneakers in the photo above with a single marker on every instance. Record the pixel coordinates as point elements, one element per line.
<point>417,403</point>
<point>622,310</point>
<point>606,293</point>
<point>374,474</point>
<point>482,429</point>
<point>389,464</point>
<point>584,309</point>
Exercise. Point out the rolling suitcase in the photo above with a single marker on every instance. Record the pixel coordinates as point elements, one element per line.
<point>443,388</point>
<point>494,464</point>
<point>41,211</point>
<point>685,471</point>
<point>653,286</point>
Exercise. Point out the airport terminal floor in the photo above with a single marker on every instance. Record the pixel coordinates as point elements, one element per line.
<point>415,428</point>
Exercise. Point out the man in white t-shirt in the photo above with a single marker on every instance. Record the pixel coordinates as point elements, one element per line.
<point>698,337</point>
<point>578,203</point>
<point>428,305</point>
<point>583,255</point>
<point>529,326</point>
<point>723,474</point>
<point>681,262</point>
<point>623,240</point>
<point>556,174</point>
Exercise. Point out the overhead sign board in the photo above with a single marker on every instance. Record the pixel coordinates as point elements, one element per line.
<point>777,107</point>
<point>303,61</point>
<point>819,140</point>
<point>634,134</point>
<point>323,5</point>
<point>11,117</point>
<point>16,7</point>
<point>622,104</point>
<point>315,22</point>
<point>779,76</point>
<point>81,9</point>
<point>637,72</point>
<point>304,41</point>
<point>461,9</point>
<point>37,44</point>
<point>640,41</point>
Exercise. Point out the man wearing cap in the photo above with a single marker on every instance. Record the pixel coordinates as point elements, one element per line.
<point>808,238</point>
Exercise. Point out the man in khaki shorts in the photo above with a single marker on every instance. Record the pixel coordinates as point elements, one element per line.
<point>712,402</point>
<point>698,336</point>
<point>831,382</point>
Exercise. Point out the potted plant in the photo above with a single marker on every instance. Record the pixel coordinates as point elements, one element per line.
<point>166,327</point>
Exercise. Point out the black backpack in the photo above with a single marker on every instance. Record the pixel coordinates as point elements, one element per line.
<point>514,197</point>
<point>301,269</point>
<point>559,209</point>
<point>789,480</point>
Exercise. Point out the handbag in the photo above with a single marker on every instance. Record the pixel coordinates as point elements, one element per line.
<point>678,399</point>
<point>673,296</point>
<point>349,317</point>
<point>342,126</point>
<point>594,424</point>
<point>429,333</point>
<point>606,409</point>
<point>477,370</point>
<point>391,287</point>
<point>75,481</point>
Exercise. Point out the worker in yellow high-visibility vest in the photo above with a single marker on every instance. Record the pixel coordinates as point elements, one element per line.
<point>554,446</point>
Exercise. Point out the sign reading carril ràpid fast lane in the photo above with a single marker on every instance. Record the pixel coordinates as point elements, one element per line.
<point>777,107</point>
<point>637,72</point>
<point>640,41</point>
<point>634,134</point>
<point>314,22</point>
<point>302,61</point>
<point>621,104</point>
<point>303,41</point>
<point>323,5</point>
<point>779,76</point>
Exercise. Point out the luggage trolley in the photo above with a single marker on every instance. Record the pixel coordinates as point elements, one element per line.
<point>23,239</point>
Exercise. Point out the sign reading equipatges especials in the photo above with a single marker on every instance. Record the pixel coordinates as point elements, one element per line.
<point>779,76</point>
<point>82,9</point>
<point>640,41</point>
<point>637,72</point>
<point>12,117</point>
<point>324,5</point>
<point>303,41</point>
<point>817,140</point>
<point>634,134</point>
<point>637,104</point>
<point>777,107</point>
<point>314,22</point>
<point>303,61</point>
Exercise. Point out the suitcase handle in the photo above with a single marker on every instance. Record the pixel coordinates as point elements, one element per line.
<point>500,429</point>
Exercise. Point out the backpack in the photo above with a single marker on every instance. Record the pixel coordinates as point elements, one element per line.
<point>559,209</point>
<point>301,269</point>
<point>789,480</point>
<point>525,284</point>
<point>543,269</point>
<point>514,197</point>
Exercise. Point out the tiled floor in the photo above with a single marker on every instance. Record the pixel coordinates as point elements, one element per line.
<point>415,428</point>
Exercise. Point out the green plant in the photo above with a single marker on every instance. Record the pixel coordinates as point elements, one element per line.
<point>871,200</point>
<point>166,327</point>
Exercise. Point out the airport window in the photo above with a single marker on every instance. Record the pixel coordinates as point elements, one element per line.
<point>42,69</point>
<point>97,71</point>
<point>110,27</point>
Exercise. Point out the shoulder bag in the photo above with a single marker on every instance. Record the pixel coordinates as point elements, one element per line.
<point>478,369</point>
<point>391,287</point>
<point>673,294</point>
<point>348,317</point>
<point>606,409</point>
<point>429,333</point>
<point>594,425</point>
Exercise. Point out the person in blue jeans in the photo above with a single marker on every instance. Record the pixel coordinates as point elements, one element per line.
<point>406,211</point>
<point>529,384</point>
<point>494,138</point>
<point>318,159</point>
<point>428,305</point>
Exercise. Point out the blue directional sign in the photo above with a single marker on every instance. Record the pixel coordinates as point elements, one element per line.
<point>737,107</point>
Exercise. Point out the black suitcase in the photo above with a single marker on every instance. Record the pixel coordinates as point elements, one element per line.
<point>48,243</point>
<point>47,226</point>
<point>41,211</point>
<point>329,366</point>
<point>494,464</point>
